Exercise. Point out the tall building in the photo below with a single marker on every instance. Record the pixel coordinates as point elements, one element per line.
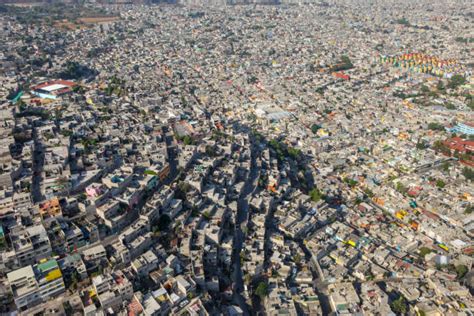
<point>112,290</point>
<point>49,278</point>
<point>24,288</point>
<point>32,285</point>
<point>30,244</point>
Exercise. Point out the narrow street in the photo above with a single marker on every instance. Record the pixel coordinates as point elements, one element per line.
<point>239,236</point>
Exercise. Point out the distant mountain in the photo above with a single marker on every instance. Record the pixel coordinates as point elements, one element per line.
<point>35,1</point>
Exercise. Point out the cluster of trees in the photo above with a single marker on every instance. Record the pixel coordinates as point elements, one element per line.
<point>345,63</point>
<point>468,173</point>
<point>427,92</point>
<point>469,209</point>
<point>439,146</point>
<point>399,305</point>
<point>89,144</point>
<point>400,187</point>
<point>315,128</point>
<point>440,86</point>
<point>470,101</point>
<point>196,15</point>
<point>440,183</point>
<point>460,269</point>
<point>75,71</point>
<point>41,61</point>
<point>316,195</point>
<point>94,52</point>
<point>320,90</point>
<point>450,106</point>
<point>252,80</point>
<point>182,189</point>
<point>435,126</point>
<point>464,40</point>
<point>422,144</point>
<point>369,193</point>
<point>262,290</point>
<point>32,111</point>
<point>263,181</point>
<point>402,95</point>
<point>464,156</point>
<point>163,224</point>
<point>115,86</point>
<point>283,151</point>
<point>424,251</point>
<point>186,139</point>
<point>351,182</point>
<point>403,21</point>
<point>456,81</point>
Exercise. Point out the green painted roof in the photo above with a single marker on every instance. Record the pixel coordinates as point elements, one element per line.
<point>48,265</point>
<point>341,307</point>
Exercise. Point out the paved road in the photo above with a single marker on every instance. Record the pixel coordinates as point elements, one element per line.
<point>38,162</point>
<point>239,236</point>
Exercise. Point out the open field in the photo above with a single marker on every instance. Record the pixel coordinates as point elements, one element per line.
<point>57,14</point>
<point>102,19</point>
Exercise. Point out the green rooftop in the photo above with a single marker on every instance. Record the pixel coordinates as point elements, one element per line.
<point>48,265</point>
<point>341,307</point>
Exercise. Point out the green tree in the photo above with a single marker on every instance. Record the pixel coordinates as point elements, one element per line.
<point>424,251</point>
<point>440,184</point>
<point>445,166</point>
<point>456,81</point>
<point>164,222</point>
<point>440,86</point>
<point>262,290</point>
<point>345,63</point>
<point>450,106</point>
<point>247,278</point>
<point>435,126</point>
<point>403,21</point>
<point>369,193</point>
<point>470,103</point>
<point>399,305</point>
<point>468,173</point>
<point>469,209</point>
<point>187,140</point>
<point>351,182</point>
<point>401,188</point>
<point>294,153</point>
<point>315,195</point>
<point>461,271</point>
<point>315,128</point>
<point>439,146</point>
<point>421,144</point>
<point>68,308</point>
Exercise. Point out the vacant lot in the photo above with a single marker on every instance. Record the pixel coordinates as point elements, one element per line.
<point>103,19</point>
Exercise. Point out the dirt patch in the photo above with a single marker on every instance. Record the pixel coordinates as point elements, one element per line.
<point>104,19</point>
<point>67,25</point>
<point>82,23</point>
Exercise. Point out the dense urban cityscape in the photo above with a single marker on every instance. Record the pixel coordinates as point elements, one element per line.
<point>237,157</point>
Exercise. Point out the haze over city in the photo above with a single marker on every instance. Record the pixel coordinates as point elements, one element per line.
<point>236,157</point>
